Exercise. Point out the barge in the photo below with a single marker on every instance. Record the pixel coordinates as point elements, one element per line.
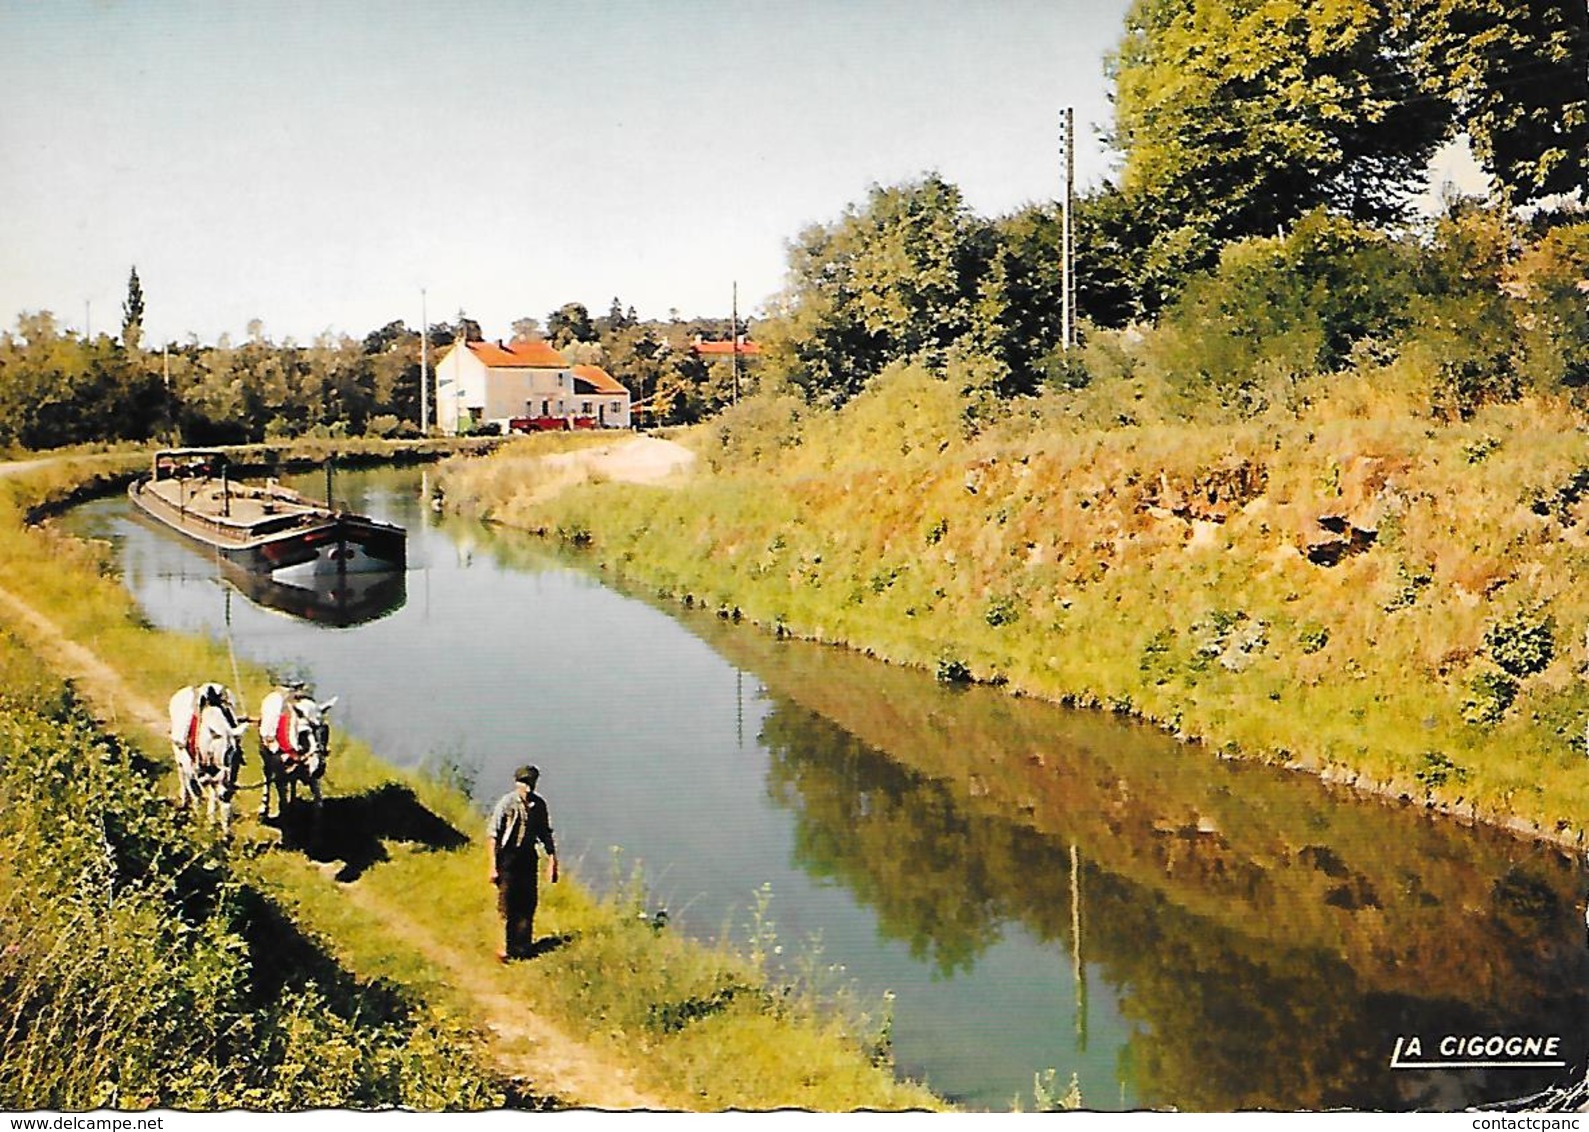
<point>263,529</point>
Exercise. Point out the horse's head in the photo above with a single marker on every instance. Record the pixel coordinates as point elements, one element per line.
<point>311,733</point>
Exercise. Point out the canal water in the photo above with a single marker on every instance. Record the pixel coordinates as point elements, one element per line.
<point>1035,889</point>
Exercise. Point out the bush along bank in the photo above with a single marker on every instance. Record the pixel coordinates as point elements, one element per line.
<point>1346,585</point>
<point>314,996</point>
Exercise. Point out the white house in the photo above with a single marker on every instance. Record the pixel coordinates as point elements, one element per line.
<point>600,398</point>
<point>492,384</point>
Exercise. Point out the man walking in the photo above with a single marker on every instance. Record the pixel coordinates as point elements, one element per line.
<point>517,823</point>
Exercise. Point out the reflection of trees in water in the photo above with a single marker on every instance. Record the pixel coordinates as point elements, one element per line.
<point>1231,1021</point>
<point>1228,1016</point>
<point>895,839</point>
<point>1264,852</point>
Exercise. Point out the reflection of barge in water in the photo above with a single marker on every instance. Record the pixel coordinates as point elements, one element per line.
<point>339,601</point>
<point>263,529</point>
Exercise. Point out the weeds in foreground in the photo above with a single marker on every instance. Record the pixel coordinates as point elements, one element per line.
<point>1047,1096</point>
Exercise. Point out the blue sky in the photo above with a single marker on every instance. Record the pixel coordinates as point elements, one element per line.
<point>316,165</point>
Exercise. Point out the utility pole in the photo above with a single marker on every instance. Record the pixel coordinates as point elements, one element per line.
<point>165,374</point>
<point>424,365</point>
<point>1067,272</point>
<point>733,335</point>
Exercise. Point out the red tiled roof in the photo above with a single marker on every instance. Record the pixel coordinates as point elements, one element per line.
<point>599,380</point>
<point>726,349</point>
<point>537,355</point>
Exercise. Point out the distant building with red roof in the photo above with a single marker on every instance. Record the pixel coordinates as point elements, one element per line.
<point>705,349</point>
<point>492,384</point>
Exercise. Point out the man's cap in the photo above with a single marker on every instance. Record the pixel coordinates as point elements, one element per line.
<point>527,774</point>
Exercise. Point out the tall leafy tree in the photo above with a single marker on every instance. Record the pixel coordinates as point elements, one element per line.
<point>1237,117</point>
<point>1516,76</point>
<point>895,278</point>
<point>464,327</point>
<point>1021,297</point>
<point>570,323</point>
<point>617,318</point>
<point>58,389</point>
<point>132,312</point>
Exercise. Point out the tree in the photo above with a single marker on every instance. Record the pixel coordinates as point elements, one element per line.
<point>379,341</point>
<point>1110,241</point>
<point>570,323</point>
<point>1237,118</point>
<point>616,319</point>
<point>1020,300</point>
<point>1516,76</point>
<point>895,279</point>
<point>132,312</point>
<point>57,390</point>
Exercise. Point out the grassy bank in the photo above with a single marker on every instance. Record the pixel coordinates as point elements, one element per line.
<point>1345,582</point>
<point>352,968</point>
<point>141,968</point>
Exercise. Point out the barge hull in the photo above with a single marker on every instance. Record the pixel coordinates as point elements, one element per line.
<point>270,529</point>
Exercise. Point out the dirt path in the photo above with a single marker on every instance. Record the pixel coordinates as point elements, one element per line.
<point>114,703</point>
<point>522,1045</point>
<point>639,459</point>
<point>642,459</point>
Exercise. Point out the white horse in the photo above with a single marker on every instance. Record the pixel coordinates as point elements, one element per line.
<point>294,743</point>
<point>206,741</point>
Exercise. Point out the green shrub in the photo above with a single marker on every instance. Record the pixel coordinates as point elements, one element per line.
<point>1002,610</point>
<point>1280,309</point>
<point>1554,339</point>
<point>386,425</point>
<point>951,670</point>
<point>1436,770</point>
<point>1488,696</point>
<point>133,964</point>
<point>1313,637</point>
<point>1156,660</point>
<point>1406,587</point>
<point>1522,644</point>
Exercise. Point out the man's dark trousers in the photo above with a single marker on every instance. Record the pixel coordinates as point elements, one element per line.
<point>517,895</point>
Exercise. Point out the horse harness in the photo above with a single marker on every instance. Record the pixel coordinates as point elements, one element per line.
<point>290,754</point>
<point>208,697</point>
